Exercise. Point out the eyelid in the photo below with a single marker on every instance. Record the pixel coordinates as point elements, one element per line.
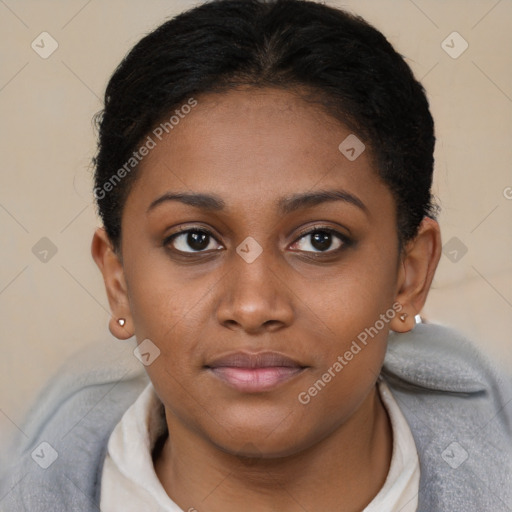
<point>319,227</point>
<point>345,239</point>
<point>187,229</point>
<point>307,231</point>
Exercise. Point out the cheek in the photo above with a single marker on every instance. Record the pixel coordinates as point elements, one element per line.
<point>354,296</point>
<point>352,355</point>
<point>162,296</point>
<point>352,310</point>
<point>170,309</point>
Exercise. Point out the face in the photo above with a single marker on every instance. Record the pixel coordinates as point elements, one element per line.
<point>254,254</point>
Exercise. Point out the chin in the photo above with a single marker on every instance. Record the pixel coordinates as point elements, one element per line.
<point>260,439</point>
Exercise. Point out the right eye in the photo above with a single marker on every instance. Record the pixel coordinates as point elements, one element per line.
<point>192,241</point>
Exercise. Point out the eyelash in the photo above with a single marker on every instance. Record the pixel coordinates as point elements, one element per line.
<point>346,241</point>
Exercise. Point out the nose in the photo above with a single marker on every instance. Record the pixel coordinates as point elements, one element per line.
<point>254,297</point>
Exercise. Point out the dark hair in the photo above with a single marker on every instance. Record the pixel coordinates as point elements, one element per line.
<point>331,57</point>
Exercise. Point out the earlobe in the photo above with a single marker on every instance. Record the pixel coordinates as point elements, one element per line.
<point>109,263</point>
<point>120,328</point>
<point>403,321</point>
<point>417,269</point>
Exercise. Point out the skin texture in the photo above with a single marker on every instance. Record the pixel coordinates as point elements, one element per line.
<point>234,450</point>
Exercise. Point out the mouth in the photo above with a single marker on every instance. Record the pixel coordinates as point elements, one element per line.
<point>254,372</point>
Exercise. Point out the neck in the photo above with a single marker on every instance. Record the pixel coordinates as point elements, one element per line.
<point>348,466</point>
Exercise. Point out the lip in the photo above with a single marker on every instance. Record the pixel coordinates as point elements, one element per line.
<point>254,372</point>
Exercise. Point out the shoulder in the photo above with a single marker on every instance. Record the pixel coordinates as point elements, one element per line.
<point>59,450</point>
<point>437,357</point>
<point>458,404</point>
<point>437,369</point>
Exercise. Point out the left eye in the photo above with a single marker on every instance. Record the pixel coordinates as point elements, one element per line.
<point>320,240</point>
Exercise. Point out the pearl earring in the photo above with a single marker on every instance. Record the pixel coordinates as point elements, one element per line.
<point>403,317</point>
<point>121,321</point>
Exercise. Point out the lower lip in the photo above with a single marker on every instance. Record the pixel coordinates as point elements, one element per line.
<point>255,379</point>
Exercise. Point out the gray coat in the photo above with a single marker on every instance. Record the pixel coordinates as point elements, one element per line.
<point>457,403</point>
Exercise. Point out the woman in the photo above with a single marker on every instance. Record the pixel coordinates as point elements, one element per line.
<point>264,178</point>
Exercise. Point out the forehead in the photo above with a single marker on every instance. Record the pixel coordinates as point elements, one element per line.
<point>253,145</point>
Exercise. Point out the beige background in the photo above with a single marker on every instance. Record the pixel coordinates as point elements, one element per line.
<point>50,310</point>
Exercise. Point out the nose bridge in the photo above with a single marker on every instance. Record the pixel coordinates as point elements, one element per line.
<point>252,269</point>
<point>253,294</point>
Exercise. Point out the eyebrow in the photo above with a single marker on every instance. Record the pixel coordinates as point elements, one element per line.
<point>306,200</point>
<point>286,205</point>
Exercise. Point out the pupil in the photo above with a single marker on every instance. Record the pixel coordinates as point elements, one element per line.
<point>321,240</point>
<point>197,241</point>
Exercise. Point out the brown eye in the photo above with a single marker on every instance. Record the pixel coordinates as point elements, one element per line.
<point>321,240</point>
<point>192,240</point>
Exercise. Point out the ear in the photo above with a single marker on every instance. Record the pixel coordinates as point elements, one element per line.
<point>417,268</point>
<point>111,267</point>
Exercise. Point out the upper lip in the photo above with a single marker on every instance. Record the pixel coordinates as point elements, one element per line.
<point>254,360</point>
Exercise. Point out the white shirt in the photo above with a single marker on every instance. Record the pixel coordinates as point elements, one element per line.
<point>129,482</point>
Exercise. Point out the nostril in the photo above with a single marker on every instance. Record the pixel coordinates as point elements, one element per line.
<point>275,324</point>
<point>230,324</point>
